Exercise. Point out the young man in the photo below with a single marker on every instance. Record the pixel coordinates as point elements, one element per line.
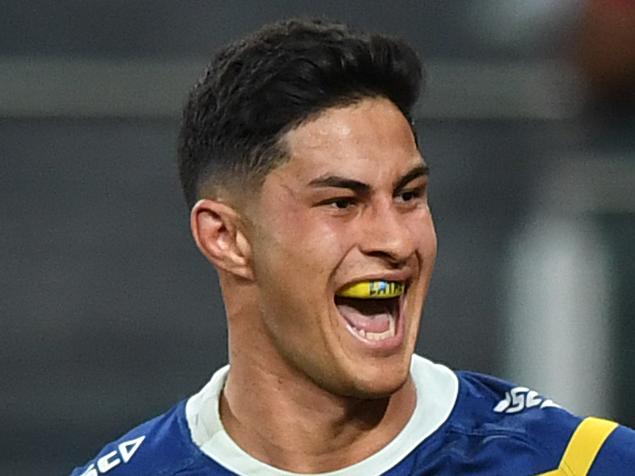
<point>308,193</point>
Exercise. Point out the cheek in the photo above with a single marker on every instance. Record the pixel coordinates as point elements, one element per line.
<point>299,253</point>
<point>429,240</point>
<point>294,265</point>
<point>423,235</point>
<point>307,239</point>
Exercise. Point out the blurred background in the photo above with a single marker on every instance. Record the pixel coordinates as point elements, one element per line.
<point>108,313</point>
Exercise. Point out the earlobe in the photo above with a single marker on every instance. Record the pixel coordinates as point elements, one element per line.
<point>216,231</point>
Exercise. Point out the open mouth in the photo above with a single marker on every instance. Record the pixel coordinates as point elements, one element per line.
<point>371,318</point>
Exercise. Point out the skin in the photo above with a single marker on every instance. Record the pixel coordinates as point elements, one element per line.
<point>303,393</point>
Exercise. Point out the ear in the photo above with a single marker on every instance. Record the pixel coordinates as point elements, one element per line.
<point>216,230</point>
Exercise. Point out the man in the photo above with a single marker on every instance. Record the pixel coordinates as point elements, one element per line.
<point>308,193</point>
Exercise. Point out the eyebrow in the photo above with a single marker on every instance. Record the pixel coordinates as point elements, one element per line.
<point>340,182</point>
<point>361,187</point>
<point>418,171</point>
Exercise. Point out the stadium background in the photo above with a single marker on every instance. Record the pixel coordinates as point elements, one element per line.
<point>108,313</point>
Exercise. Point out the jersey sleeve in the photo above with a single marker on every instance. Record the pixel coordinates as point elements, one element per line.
<point>562,443</point>
<point>157,447</point>
<point>617,455</point>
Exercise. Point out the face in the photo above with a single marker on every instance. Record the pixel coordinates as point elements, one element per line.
<point>349,205</point>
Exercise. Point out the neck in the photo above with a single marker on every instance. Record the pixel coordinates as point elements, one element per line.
<point>281,417</point>
<point>289,422</point>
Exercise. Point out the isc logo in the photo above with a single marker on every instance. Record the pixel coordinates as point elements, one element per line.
<point>521,398</point>
<point>111,460</point>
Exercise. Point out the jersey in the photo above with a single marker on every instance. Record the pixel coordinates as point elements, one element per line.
<point>463,423</point>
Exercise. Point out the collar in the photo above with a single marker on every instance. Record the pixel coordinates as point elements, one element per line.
<point>436,387</point>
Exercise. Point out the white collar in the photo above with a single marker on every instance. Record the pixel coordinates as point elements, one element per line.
<point>437,390</point>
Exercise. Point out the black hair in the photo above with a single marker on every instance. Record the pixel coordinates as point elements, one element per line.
<point>260,87</point>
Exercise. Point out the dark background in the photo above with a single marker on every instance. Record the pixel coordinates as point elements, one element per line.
<point>108,313</point>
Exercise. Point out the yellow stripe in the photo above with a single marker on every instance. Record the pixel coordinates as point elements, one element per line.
<point>583,447</point>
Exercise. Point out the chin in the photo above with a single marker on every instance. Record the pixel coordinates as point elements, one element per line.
<point>377,392</point>
<point>374,382</point>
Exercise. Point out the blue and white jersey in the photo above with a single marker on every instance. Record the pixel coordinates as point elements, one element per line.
<point>463,423</point>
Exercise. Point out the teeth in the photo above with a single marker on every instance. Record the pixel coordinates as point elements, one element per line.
<point>375,336</point>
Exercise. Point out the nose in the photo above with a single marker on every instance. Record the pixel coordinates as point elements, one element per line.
<point>385,234</point>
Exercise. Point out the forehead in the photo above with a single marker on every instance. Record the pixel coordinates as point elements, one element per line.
<point>371,138</point>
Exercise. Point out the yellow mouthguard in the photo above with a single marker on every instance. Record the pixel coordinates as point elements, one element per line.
<point>373,290</point>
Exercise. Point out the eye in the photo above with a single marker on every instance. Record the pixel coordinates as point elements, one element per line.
<point>410,195</point>
<point>341,203</point>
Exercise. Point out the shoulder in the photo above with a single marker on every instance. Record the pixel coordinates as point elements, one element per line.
<point>534,432</point>
<point>490,405</point>
<point>160,446</point>
<point>614,446</point>
<point>495,427</point>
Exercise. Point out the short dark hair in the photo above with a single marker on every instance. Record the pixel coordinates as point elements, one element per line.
<point>260,87</point>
